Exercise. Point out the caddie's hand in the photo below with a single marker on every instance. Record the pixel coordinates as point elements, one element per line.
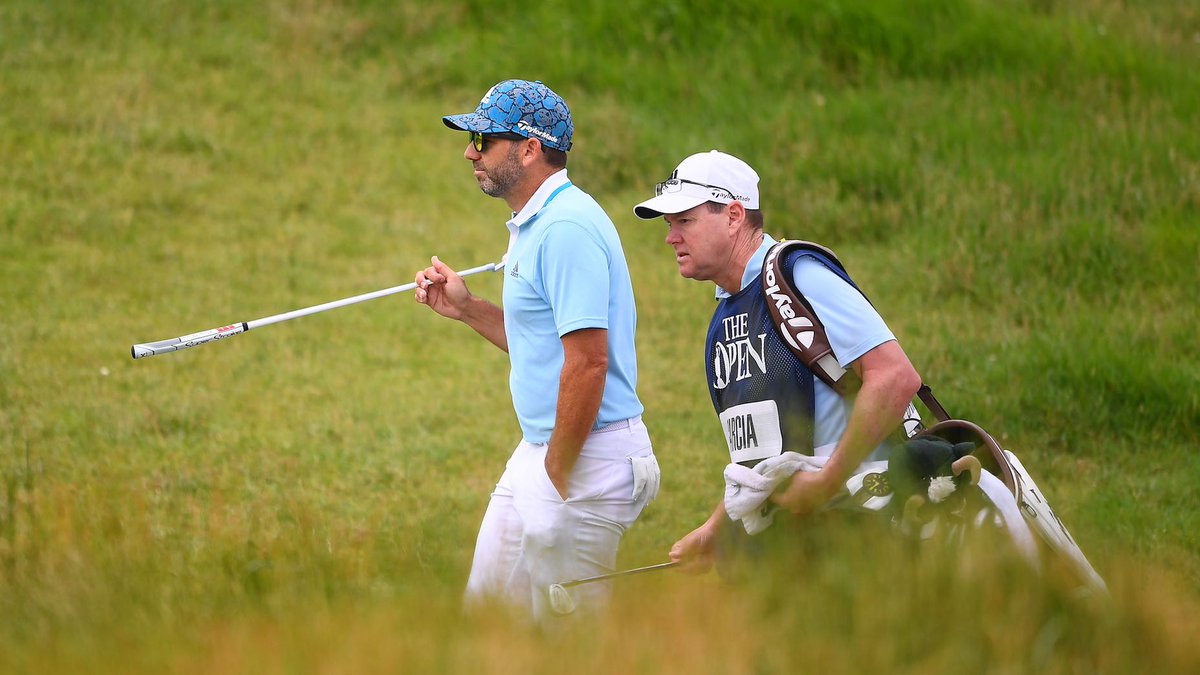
<point>806,492</point>
<point>440,287</point>
<point>696,552</point>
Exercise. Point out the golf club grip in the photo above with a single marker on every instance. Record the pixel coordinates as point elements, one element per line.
<point>141,351</point>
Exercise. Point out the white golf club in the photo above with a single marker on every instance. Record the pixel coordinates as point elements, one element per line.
<point>562,602</point>
<point>175,344</point>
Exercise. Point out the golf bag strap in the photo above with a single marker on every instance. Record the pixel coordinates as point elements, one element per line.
<point>931,402</point>
<point>803,331</point>
<point>795,320</point>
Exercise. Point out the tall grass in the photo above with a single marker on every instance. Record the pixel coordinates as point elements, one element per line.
<point>1016,184</point>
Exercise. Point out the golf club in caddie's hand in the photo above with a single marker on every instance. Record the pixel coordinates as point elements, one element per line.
<point>140,351</point>
<point>562,602</point>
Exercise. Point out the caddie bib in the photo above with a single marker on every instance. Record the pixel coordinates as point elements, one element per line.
<point>762,393</point>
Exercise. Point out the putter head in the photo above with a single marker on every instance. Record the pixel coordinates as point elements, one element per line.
<point>560,600</point>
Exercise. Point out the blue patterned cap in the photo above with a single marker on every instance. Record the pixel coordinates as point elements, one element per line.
<point>530,109</point>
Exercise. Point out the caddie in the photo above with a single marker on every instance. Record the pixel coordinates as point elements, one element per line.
<point>770,403</point>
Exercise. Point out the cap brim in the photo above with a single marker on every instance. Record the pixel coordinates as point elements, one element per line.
<point>667,204</point>
<point>474,122</point>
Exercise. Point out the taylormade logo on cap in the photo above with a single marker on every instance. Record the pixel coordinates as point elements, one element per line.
<point>712,176</point>
<point>527,128</point>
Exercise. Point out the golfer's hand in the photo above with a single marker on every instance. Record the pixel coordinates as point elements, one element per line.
<point>442,289</point>
<point>558,479</point>
<point>696,552</point>
<point>806,492</point>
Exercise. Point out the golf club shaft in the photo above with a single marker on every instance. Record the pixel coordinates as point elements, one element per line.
<point>183,342</point>
<point>612,575</point>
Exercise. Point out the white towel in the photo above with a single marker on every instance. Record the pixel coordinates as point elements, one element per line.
<point>747,490</point>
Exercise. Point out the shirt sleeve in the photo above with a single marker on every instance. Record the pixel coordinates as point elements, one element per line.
<point>574,268</point>
<point>851,323</point>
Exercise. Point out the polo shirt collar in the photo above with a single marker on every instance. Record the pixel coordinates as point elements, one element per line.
<point>753,266</point>
<point>539,199</point>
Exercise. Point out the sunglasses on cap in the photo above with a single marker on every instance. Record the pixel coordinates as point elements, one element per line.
<point>676,185</point>
<point>478,138</point>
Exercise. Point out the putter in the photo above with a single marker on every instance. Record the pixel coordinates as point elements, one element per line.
<point>140,351</point>
<point>562,602</point>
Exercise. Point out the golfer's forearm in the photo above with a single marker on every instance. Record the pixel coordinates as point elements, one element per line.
<point>487,320</point>
<point>580,391</point>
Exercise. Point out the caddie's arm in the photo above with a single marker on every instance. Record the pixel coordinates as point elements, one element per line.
<point>444,291</point>
<point>889,383</point>
<point>580,391</point>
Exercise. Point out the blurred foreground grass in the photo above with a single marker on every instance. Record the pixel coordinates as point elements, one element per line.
<point>869,602</point>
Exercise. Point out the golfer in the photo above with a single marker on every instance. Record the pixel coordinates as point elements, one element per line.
<point>770,402</point>
<point>584,468</point>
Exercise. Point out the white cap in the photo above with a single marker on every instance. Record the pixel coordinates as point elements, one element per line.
<point>704,177</point>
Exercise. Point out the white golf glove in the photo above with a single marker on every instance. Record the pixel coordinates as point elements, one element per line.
<point>646,477</point>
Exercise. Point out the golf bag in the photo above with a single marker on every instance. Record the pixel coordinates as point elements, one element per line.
<point>950,451</point>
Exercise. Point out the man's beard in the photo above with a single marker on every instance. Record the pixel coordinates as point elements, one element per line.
<point>498,180</point>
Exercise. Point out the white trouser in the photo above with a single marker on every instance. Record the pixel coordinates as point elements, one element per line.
<point>530,538</point>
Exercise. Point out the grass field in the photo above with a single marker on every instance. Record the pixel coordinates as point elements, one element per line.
<point>1015,183</point>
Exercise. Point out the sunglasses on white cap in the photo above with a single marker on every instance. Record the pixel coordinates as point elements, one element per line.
<point>677,185</point>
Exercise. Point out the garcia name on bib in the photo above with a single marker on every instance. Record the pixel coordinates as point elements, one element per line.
<point>752,431</point>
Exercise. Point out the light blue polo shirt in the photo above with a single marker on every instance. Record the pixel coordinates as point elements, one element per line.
<point>852,326</point>
<point>565,270</point>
